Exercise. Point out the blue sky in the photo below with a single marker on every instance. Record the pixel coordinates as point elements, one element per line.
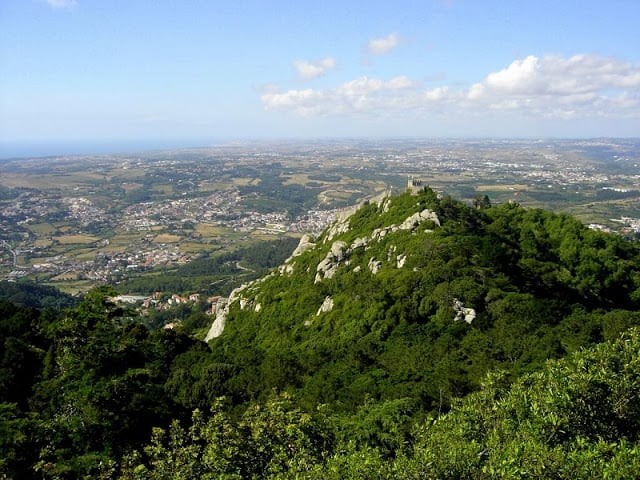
<point>192,72</point>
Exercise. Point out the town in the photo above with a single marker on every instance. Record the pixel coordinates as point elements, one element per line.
<point>81,221</point>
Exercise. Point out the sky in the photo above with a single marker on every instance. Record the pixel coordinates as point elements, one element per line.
<point>112,73</point>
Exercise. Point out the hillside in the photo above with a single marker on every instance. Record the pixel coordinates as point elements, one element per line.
<point>575,418</point>
<point>416,337</point>
<point>416,296</point>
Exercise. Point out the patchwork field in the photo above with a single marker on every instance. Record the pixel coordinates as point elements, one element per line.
<point>76,239</point>
<point>166,238</point>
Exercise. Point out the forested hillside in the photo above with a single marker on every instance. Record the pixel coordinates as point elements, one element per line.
<point>418,337</point>
<point>214,274</point>
<point>375,308</point>
<point>36,296</point>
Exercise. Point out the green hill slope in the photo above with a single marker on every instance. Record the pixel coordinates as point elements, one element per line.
<point>410,340</point>
<point>575,418</point>
<point>417,297</point>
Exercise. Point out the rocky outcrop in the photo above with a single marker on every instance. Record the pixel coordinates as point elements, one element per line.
<point>341,225</point>
<point>336,229</point>
<point>379,233</point>
<point>304,244</point>
<point>385,204</point>
<point>401,260</point>
<point>410,223</point>
<point>359,243</point>
<point>383,200</point>
<point>462,312</point>
<point>326,307</point>
<point>374,265</point>
<point>286,268</point>
<point>338,251</point>
<point>329,265</point>
<point>417,218</point>
<point>217,327</point>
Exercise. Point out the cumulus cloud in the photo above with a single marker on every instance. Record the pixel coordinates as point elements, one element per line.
<point>61,3</point>
<point>310,70</point>
<point>581,86</point>
<point>380,46</point>
<point>363,94</point>
<point>558,84</point>
<point>555,75</point>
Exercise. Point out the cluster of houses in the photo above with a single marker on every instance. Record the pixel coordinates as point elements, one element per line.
<point>161,301</point>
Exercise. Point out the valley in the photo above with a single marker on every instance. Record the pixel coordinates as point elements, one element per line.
<point>80,221</point>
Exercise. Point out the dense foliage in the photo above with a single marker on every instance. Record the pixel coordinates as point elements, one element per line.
<point>386,384</point>
<point>541,285</point>
<point>575,418</point>
<point>80,389</point>
<point>33,295</point>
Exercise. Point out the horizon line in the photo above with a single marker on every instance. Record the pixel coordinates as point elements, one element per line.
<point>23,149</point>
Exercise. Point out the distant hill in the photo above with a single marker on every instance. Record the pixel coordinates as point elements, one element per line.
<point>37,296</point>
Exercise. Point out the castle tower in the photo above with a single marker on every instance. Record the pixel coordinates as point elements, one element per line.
<point>414,184</point>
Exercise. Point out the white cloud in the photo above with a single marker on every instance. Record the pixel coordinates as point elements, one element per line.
<point>557,76</point>
<point>310,70</point>
<point>61,3</point>
<point>521,74</point>
<point>554,85</point>
<point>581,86</point>
<point>304,102</point>
<point>366,86</point>
<point>380,46</point>
<point>436,94</point>
<point>361,95</point>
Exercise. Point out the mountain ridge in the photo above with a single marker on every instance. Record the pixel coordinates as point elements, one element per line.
<point>393,300</point>
<point>337,254</point>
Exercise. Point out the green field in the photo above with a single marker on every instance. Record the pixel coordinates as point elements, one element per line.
<point>76,239</point>
<point>42,228</point>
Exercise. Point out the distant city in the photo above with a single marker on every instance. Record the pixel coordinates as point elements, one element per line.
<point>81,220</point>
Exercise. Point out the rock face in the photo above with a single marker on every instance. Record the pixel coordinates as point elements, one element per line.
<point>359,243</point>
<point>326,306</point>
<point>305,244</point>
<point>379,233</point>
<point>463,313</point>
<point>217,327</point>
<point>329,265</point>
<point>286,268</point>
<point>341,225</point>
<point>374,265</point>
<point>338,251</point>
<point>417,218</point>
<point>410,223</point>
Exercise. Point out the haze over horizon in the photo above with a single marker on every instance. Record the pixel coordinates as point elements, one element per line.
<point>83,76</point>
